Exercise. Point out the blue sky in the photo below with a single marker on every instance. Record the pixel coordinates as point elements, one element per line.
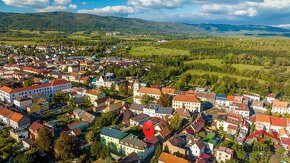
<point>265,12</point>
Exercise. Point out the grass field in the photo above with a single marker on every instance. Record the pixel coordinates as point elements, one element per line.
<point>220,75</point>
<point>146,50</point>
<point>19,42</point>
<point>218,62</point>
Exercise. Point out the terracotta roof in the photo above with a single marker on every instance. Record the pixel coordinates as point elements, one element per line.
<point>85,78</point>
<point>169,158</point>
<point>263,118</point>
<point>183,112</point>
<point>36,126</point>
<point>200,144</point>
<point>73,74</point>
<point>285,141</point>
<point>5,112</point>
<point>280,104</point>
<point>32,69</point>
<point>95,92</point>
<point>277,121</point>
<point>146,90</point>
<point>16,117</point>
<point>186,98</point>
<point>165,132</point>
<point>168,90</point>
<point>225,149</point>
<point>230,98</point>
<point>36,86</point>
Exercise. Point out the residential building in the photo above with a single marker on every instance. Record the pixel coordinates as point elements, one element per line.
<point>158,111</point>
<point>169,158</point>
<point>220,99</point>
<point>280,107</point>
<point>189,102</point>
<point>39,105</point>
<point>174,145</point>
<point>8,94</point>
<point>18,135</point>
<point>5,115</point>
<point>138,92</point>
<point>84,116</point>
<point>271,97</point>
<point>196,147</point>
<point>94,94</point>
<point>28,143</point>
<point>112,137</point>
<point>18,120</point>
<point>22,102</point>
<point>223,154</point>
<point>139,119</point>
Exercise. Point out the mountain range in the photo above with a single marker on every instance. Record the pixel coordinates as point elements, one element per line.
<point>72,22</point>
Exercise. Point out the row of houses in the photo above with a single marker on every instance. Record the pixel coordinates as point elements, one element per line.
<point>13,119</point>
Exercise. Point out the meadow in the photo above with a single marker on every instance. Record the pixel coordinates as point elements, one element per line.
<point>147,50</point>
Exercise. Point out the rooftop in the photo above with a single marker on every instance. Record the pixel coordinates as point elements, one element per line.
<point>114,133</point>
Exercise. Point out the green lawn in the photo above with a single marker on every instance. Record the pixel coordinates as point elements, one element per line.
<point>19,42</point>
<point>147,50</point>
<point>220,75</point>
<point>218,62</point>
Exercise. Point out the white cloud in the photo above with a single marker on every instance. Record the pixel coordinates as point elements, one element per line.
<point>27,3</point>
<point>62,2</point>
<point>72,6</point>
<point>282,26</point>
<point>159,3</point>
<point>110,10</point>
<point>249,12</point>
<point>52,9</point>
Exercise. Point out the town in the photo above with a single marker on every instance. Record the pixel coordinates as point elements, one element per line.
<point>86,108</point>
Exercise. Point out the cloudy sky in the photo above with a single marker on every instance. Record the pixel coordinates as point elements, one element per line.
<point>266,12</point>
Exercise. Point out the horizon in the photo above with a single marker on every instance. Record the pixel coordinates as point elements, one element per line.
<point>275,13</point>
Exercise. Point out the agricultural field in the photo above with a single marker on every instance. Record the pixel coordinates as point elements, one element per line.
<point>147,50</point>
<point>220,75</point>
<point>218,63</point>
<point>19,42</point>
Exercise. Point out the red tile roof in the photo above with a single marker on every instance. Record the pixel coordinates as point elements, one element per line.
<point>186,98</point>
<point>16,117</point>
<point>168,90</point>
<point>146,90</point>
<point>36,126</point>
<point>263,118</point>
<point>280,104</point>
<point>231,98</point>
<point>5,112</point>
<point>277,121</point>
<point>169,158</point>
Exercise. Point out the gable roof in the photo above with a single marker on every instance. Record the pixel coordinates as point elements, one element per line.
<point>225,149</point>
<point>114,133</point>
<point>94,92</point>
<point>36,126</point>
<point>278,121</point>
<point>169,158</point>
<point>5,112</point>
<point>147,90</point>
<point>280,104</point>
<point>263,118</point>
<point>16,117</point>
<point>186,98</point>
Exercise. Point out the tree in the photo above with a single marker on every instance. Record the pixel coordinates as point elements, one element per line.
<point>27,157</point>
<point>164,100</point>
<point>27,83</point>
<point>158,151</point>
<point>11,60</point>
<point>146,99</point>
<point>105,153</point>
<point>176,122</point>
<point>44,140</point>
<point>113,88</point>
<point>95,150</point>
<point>123,89</point>
<point>66,147</point>
<point>90,136</point>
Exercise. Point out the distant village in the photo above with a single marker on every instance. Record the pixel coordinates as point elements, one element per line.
<point>208,119</point>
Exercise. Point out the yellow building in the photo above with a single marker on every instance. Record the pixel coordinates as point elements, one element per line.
<point>39,106</point>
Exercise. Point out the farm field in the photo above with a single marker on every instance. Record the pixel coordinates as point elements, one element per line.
<point>146,50</point>
<point>20,42</point>
<point>218,62</point>
<point>220,75</point>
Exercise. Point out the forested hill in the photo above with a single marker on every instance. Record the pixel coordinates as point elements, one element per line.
<point>72,22</point>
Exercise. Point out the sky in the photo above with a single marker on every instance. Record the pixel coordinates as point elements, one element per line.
<point>262,12</point>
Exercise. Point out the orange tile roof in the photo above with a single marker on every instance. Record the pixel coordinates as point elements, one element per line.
<point>16,117</point>
<point>154,91</point>
<point>94,92</point>
<point>280,104</point>
<point>168,90</point>
<point>31,69</point>
<point>263,118</point>
<point>73,74</point>
<point>169,158</point>
<point>186,98</point>
<point>278,121</point>
<point>231,98</point>
<point>85,78</point>
<point>5,112</point>
<point>35,86</point>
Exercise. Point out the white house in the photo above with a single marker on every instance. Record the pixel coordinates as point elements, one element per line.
<point>196,147</point>
<point>271,97</point>
<point>157,111</point>
<point>22,102</point>
<point>5,115</point>
<point>280,107</point>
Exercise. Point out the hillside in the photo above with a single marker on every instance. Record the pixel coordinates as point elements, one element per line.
<point>72,22</point>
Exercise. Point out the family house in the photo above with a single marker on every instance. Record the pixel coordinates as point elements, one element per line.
<point>158,111</point>
<point>224,154</point>
<point>18,120</point>
<point>84,116</point>
<point>280,107</point>
<point>5,115</point>
<point>94,94</point>
<point>112,137</point>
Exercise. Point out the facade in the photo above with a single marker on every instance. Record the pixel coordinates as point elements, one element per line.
<point>189,102</point>
<point>112,137</point>
<point>220,99</point>
<point>8,94</point>
<point>223,154</point>
<point>138,92</point>
<point>94,94</point>
<point>280,107</point>
<point>18,120</point>
<point>22,102</point>
<point>5,115</point>
<point>157,111</point>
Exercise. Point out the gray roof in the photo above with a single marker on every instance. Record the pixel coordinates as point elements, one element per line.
<point>114,133</point>
<point>136,107</point>
<point>164,110</point>
<point>133,141</point>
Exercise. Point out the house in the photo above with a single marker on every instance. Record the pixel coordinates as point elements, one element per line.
<point>39,105</point>
<point>230,100</point>
<point>175,145</point>
<point>223,154</point>
<point>163,134</point>
<point>136,108</point>
<point>18,135</point>
<point>262,122</point>
<point>229,122</point>
<point>78,125</point>
<point>131,158</point>
<point>105,81</point>
<point>189,102</point>
<point>131,143</point>
<point>195,127</point>
<point>112,138</point>
<point>28,143</point>
<point>280,107</point>
<point>210,141</point>
<point>84,116</point>
<point>8,94</point>
<point>94,94</point>
<point>271,97</point>
<point>169,158</point>
<point>22,102</point>
<point>184,113</point>
<point>138,92</point>
<point>205,96</point>
<point>220,100</point>
<point>259,105</point>
<point>139,119</point>
<point>5,115</point>
<point>107,104</point>
<point>158,111</point>
<point>73,68</point>
<point>278,123</point>
<point>286,143</point>
<point>18,120</point>
<point>34,129</point>
<point>126,115</point>
<point>253,97</point>
<point>196,147</point>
